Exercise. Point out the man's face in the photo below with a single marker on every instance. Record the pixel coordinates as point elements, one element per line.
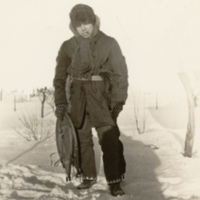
<point>85,30</point>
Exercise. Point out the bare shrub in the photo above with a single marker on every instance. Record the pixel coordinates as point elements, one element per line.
<point>33,127</point>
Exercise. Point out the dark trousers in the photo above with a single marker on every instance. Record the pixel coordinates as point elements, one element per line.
<point>111,146</point>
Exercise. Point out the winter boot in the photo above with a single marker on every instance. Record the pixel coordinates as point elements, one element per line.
<point>116,189</point>
<point>86,184</point>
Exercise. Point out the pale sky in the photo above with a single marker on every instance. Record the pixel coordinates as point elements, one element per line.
<point>157,37</point>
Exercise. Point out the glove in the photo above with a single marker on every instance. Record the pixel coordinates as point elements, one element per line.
<point>60,110</point>
<point>116,108</point>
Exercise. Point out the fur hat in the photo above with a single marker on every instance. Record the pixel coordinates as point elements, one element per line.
<point>82,14</point>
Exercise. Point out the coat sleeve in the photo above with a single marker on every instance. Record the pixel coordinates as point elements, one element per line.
<point>119,79</point>
<point>60,76</point>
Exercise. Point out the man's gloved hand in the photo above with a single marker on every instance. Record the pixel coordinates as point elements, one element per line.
<point>116,108</point>
<point>60,110</point>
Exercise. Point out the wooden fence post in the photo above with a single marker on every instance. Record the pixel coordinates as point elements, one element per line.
<point>189,140</point>
<point>15,103</point>
<point>1,95</point>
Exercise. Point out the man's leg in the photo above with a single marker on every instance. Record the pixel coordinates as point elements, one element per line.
<point>113,158</point>
<point>87,155</point>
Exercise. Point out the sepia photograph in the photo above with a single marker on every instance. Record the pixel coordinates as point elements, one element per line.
<point>99,99</point>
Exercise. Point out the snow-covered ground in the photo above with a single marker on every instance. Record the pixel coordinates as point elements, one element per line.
<point>156,168</point>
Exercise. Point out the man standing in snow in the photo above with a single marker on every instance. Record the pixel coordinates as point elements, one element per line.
<point>98,92</point>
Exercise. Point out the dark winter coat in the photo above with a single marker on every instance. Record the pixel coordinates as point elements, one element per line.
<point>108,62</point>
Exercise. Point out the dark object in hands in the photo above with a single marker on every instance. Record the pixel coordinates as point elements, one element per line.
<point>67,146</point>
<point>60,110</point>
<point>116,108</point>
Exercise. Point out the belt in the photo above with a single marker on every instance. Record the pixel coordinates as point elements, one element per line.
<point>93,78</point>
